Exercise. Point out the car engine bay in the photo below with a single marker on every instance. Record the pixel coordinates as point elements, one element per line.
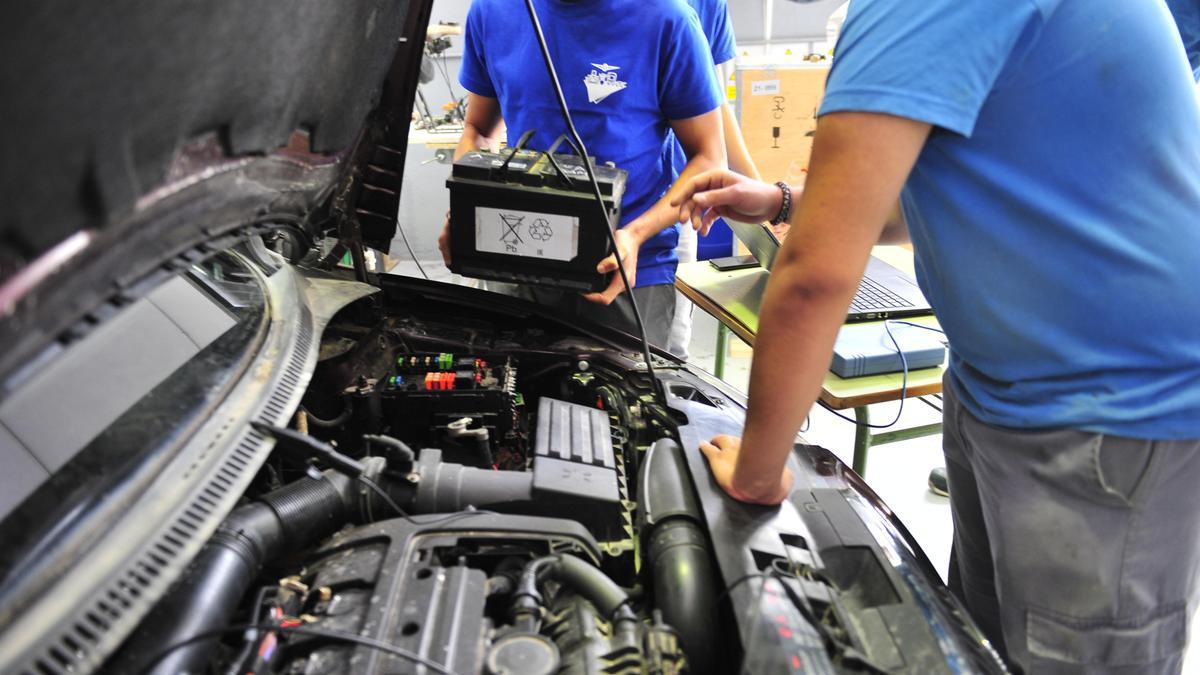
<point>471,499</point>
<point>470,487</point>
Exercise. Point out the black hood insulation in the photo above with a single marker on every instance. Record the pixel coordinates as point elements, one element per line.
<point>99,97</point>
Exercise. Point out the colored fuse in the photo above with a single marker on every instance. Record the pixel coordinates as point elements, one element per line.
<point>429,382</point>
<point>395,381</point>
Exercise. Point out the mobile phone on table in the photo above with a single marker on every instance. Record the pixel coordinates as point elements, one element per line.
<point>734,262</point>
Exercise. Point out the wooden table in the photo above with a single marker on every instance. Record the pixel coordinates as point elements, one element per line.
<point>734,298</point>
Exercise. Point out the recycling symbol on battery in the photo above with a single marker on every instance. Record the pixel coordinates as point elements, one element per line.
<point>540,230</point>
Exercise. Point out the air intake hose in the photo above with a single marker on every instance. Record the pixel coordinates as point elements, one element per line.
<point>678,553</point>
<point>205,597</point>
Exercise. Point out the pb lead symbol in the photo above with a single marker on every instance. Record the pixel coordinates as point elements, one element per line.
<point>508,228</point>
<point>540,230</point>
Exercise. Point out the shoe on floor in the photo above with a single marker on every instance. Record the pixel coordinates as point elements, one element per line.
<point>938,484</point>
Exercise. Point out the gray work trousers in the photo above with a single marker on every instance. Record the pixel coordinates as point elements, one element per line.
<point>1076,552</point>
<point>656,304</point>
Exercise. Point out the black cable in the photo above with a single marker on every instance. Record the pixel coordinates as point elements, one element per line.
<point>404,238</point>
<point>887,326</point>
<point>396,444</point>
<point>836,647</point>
<point>387,499</point>
<point>738,582</point>
<point>238,664</point>
<point>917,325</point>
<point>338,421</point>
<point>903,386</point>
<point>310,631</point>
<point>441,61</point>
<point>580,148</point>
<point>846,652</point>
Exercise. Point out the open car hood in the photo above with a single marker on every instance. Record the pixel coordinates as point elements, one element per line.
<point>137,132</point>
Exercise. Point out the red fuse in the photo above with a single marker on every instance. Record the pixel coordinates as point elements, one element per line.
<point>429,381</point>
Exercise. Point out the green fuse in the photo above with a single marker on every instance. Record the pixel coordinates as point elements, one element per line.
<point>395,381</point>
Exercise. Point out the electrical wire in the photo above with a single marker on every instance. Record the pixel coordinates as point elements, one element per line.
<point>580,148</point>
<point>338,421</point>
<point>887,327</point>
<point>411,254</point>
<point>309,631</point>
<point>836,647</point>
<point>441,62</point>
<point>387,499</point>
<point>238,665</point>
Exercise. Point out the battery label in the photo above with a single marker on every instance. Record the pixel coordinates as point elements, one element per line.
<point>524,233</point>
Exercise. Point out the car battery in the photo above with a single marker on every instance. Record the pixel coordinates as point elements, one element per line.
<point>531,218</point>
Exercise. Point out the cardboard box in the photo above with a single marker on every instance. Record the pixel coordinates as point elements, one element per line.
<point>777,109</point>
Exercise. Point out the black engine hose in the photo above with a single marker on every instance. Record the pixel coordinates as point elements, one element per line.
<point>206,596</point>
<point>405,453</point>
<point>342,418</point>
<point>678,554</point>
<point>585,579</point>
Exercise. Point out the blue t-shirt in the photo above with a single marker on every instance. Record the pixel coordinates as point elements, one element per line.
<point>627,68</point>
<point>718,30</point>
<point>1187,17</point>
<point>1055,209</point>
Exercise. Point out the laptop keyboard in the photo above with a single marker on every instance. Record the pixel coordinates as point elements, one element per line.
<point>873,297</point>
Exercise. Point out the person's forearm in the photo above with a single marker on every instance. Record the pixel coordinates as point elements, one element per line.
<point>470,140</point>
<point>735,146</point>
<point>662,215</point>
<point>852,187</point>
<point>798,324</point>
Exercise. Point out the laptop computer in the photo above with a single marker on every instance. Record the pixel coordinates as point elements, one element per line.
<point>884,293</point>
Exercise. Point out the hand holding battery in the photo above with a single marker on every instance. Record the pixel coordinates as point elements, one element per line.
<point>628,244</point>
<point>721,192</point>
<point>444,240</point>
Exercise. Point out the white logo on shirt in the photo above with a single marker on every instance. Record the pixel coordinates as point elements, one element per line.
<point>602,82</point>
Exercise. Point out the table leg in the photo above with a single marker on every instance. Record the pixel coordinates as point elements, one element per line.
<point>722,349</point>
<point>862,440</point>
<point>906,434</point>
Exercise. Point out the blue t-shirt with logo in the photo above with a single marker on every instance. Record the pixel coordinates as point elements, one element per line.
<point>1055,209</point>
<point>627,68</point>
